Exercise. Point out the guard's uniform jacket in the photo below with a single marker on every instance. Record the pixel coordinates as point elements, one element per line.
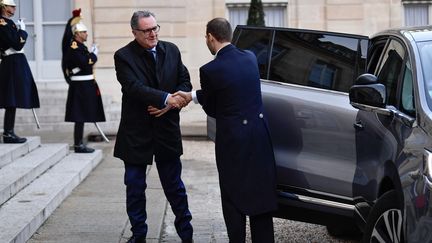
<point>17,86</point>
<point>84,102</point>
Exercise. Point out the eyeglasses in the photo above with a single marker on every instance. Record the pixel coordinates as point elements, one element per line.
<point>148,31</point>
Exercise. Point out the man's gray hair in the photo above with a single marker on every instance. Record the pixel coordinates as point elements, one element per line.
<point>138,15</point>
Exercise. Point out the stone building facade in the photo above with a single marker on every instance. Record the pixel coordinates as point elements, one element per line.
<point>183,22</point>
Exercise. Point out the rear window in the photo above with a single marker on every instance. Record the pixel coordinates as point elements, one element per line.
<point>313,59</point>
<point>258,41</point>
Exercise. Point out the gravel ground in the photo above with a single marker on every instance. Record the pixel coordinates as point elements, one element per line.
<point>201,180</point>
<point>293,231</point>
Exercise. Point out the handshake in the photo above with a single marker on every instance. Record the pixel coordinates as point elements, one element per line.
<point>177,100</point>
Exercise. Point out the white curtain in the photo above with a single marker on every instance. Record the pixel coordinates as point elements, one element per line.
<point>238,16</point>
<point>274,16</point>
<point>416,14</point>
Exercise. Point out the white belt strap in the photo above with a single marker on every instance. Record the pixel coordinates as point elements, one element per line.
<point>82,77</point>
<point>12,51</point>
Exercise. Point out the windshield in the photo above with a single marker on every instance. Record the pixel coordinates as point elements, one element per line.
<point>425,50</point>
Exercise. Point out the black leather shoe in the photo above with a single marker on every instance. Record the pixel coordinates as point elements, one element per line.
<point>11,137</point>
<point>134,239</point>
<point>83,149</point>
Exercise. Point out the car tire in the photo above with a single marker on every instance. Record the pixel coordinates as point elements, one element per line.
<point>386,208</point>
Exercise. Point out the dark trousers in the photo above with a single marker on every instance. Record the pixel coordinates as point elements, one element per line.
<point>175,192</point>
<point>78,133</point>
<point>9,119</point>
<point>261,225</point>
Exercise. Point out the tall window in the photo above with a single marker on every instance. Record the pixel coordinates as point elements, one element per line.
<point>322,75</point>
<point>275,13</point>
<point>25,11</point>
<point>45,22</point>
<point>417,13</point>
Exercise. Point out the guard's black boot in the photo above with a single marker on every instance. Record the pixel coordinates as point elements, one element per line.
<point>10,137</point>
<point>83,149</point>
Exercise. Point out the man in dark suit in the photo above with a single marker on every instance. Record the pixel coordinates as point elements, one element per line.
<point>230,92</point>
<point>149,71</point>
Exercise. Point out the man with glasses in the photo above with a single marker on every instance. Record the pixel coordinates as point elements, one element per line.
<point>150,71</point>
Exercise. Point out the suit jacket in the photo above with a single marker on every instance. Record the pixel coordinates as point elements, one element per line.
<point>17,86</point>
<point>144,83</point>
<point>231,93</point>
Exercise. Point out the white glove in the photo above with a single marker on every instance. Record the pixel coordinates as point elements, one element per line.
<point>21,24</point>
<point>95,49</point>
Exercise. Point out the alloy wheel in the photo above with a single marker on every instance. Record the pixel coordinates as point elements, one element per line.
<point>388,227</point>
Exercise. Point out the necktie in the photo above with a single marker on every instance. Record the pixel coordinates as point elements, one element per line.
<point>153,52</point>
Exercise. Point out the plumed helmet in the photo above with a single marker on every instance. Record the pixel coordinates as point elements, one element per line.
<point>68,34</point>
<point>78,27</point>
<point>7,3</point>
<point>76,12</point>
<point>76,17</point>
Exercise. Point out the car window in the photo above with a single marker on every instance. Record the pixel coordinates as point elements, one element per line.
<point>407,94</point>
<point>375,52</point>
<point>390,69</point>
<point>425,50</point>
<point>314,59</point>
<point>257,41</point>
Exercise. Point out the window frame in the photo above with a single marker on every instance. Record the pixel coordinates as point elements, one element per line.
<point>43,66</point>
<point>400,82</point>
<point>267,7</point>
<point>416,2</point>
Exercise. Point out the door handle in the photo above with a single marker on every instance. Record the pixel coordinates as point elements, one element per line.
<point>358,125</point>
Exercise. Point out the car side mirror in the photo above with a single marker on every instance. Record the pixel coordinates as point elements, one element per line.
<point>367,92</point>
<point>366,78</point>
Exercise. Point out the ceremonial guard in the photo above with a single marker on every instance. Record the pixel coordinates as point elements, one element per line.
<point>17,86</point>
<point>84,102</point>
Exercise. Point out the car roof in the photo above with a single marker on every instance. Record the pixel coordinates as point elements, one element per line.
<point>417,33</point>
<point>302,30</point>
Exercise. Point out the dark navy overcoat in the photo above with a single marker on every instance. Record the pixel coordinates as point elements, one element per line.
<point>84,101</point>
<point>231,93</point>
<point>142,136</point>
<point>17,86</point>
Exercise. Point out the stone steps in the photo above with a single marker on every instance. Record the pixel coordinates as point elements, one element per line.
<point>34,180</point>
<point>55,98</point>
<point>15,176</point>
<point>26,116</point>
<point>52,109</point>
<point>59,110</point>
<point>109,128</point>
<point>10,152</point>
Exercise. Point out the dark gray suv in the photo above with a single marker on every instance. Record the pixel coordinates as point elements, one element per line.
<point>351,125</point>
